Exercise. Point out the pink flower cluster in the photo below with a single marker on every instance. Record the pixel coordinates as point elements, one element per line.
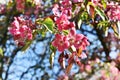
<point>64,9</point>
<point>113,11</point>
<point>95,1</point>
<point>2,8</point>
<point>21,31</point>
<point>78,1</point>
<point>113,73</point>
<point>61,41</point>
<point>20,5</point>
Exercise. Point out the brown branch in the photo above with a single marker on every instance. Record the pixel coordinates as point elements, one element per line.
<point>101,38</point>
<point>11,61</point>
<point>34,66</point>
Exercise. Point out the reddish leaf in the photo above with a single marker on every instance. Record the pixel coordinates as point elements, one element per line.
<point>79,52</point>
<point>92,11</point>
<point>69,68</point>
<point>61,60</point>
<point>71,59</point>
<point>63,63</point>
<point>115,28</point>
<point>78,61</point>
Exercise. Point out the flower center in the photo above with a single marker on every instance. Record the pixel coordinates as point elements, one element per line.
<point>61,43</point>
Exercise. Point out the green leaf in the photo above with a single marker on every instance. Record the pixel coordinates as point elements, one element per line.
<point>84,16</point>
<point>100,12</point>
<point>28,0</point>
<point>52,48</point>
<point>1,52</point>
<point>73,8</point>
<point>49,24</point>
<point>116,29</point>
<point>42,31</point>
<point>79,23</point>
<point>27,45</point>
<point>104,25</point>
<point>39,21</point>
<point>56,1</point>
<point>85,2</point>
<point>106,31</point>
<point>51,59</point>
<point>66,32</point>
<point>90,3</point>
<point>10,4</point>
<point>104,3</point>
<point>118,23</point>
<point>52,55</point>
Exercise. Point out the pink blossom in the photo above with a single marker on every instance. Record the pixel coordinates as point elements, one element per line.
<point>67,11</point>
<point>66,3</point>
<point>81,43</point>
<point>64,9</point>
<point>78,40</point>
<point>37,9</point>
<point>72,36</point>
<point>63,14</point>
<point>60,42</point>
<point>83,55</point>
<point>2,8</point>
<point>63,23</point>
<point>55,10</point>
<point>78,1</point>
<point>97,60</point>
<point>114,70</point>
<point>20,31</point>
<point>103,75</point>
<point>78,61</point>
<point>63,77</point>
<point>82,68</point>
<point>20,5</point>
<point>113,11</point>
<point>95,1</point>
<point>88,68</point>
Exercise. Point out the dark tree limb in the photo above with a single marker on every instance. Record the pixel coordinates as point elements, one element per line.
<point>11,61</point>
<point>101,38</point>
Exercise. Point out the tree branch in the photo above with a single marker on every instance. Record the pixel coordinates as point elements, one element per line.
<point>11,61</point>
<point>101,38</point>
